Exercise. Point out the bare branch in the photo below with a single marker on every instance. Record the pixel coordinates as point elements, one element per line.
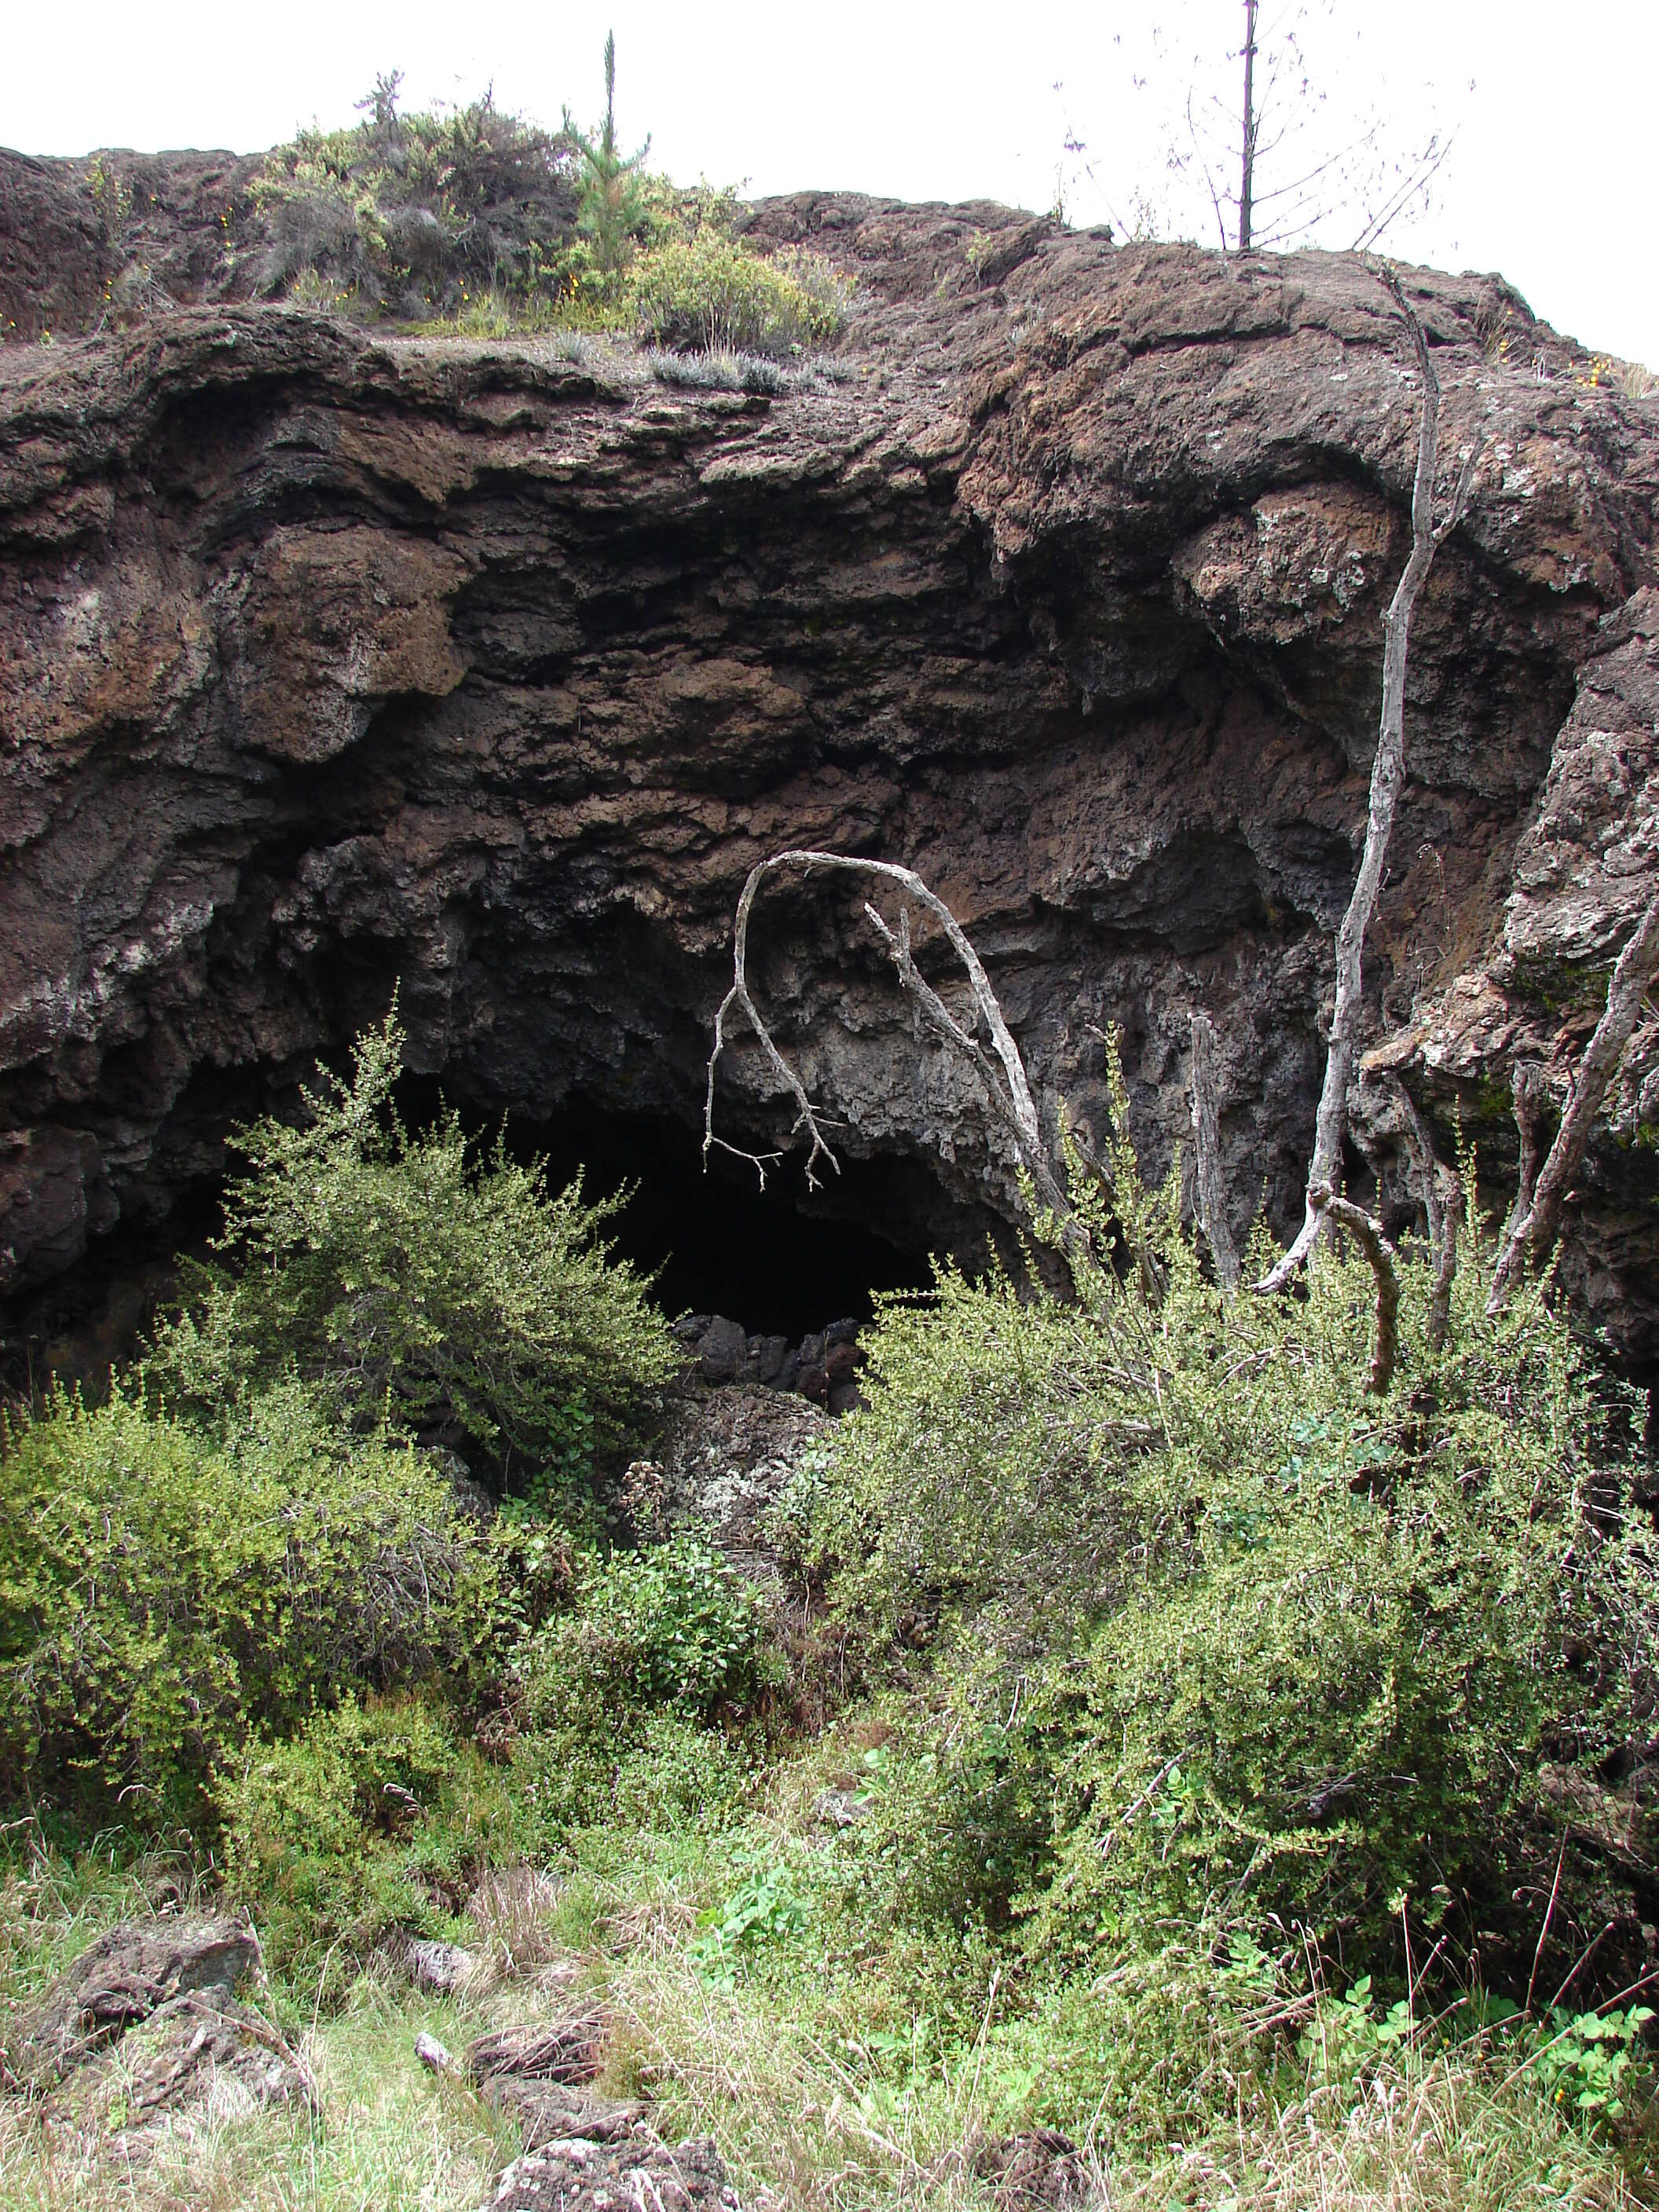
<point>1532,1235</point>
<point>1388,777</point>
<point>1207,1148</point>
<point>1530,1101</point>
<point>1368,1235</point>
<point>1418,179</point>
<point>1003,1077</point>
<point>1441,1213</point>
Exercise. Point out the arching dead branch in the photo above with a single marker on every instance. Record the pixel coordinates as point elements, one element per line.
<point>1368,1235</point>
<point>1001,1072</point>
<point>1531,1235</point>
<point>1387,776</point>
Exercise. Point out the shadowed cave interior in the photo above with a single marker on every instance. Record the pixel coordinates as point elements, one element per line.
<point>782,1262</point>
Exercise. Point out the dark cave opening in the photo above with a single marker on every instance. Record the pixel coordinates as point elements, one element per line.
<point>777,1261</point>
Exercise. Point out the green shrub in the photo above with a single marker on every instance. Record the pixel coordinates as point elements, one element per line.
<point>405,1281</point>
<point>410,214</point>
<point>670,1625</point>
<point>1287,1657</point>
<point>954,1823</point>
<point>658,1770</point>
<point>163,1594</point>
<point>714,294</point>
<point>636,1703</point>
<point>363,1823</point>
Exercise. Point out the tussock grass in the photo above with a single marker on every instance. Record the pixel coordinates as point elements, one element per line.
<point>806,2126</point>
<point>790,2071</point>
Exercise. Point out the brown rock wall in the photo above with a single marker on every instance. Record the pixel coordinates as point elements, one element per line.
<point>328,660</point>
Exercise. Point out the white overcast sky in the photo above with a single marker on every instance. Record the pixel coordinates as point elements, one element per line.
<point>1552,179</point>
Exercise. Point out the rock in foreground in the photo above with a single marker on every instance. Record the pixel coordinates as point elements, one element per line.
<point>577,2176</point>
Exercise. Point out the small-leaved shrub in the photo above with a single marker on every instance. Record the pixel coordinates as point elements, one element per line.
<point>672,1625</point>
<point>1270,1655</point>
<point>404,1280</point>
<point>714,294</point>
<point>164,1593</point>
<point>354,1826</point>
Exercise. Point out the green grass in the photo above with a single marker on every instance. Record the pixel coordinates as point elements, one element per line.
<point>824,2091</point>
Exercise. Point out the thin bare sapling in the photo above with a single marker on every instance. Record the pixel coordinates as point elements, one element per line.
<point>1388,777</point>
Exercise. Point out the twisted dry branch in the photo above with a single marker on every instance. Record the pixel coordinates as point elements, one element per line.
<point>1368,1235</point>
<point>1001,1070</point>
<point>1531,1233</point>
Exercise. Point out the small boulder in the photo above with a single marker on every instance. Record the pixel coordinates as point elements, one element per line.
<point>145,2023</point>
<point>439,1967</point>
<point>839,1807</point>
<point>119,1980</point>
<point>722,1350</point>
<point>536,2074</point>
<point>1039,2170</point>
<point>580,2176</point>
<point>564,2050</point>
<point>766,1357</point>
<point>841,1362</point>
<point>194,2046</point>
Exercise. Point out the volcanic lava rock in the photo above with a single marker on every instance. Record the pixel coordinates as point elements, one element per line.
<point>331,660</point>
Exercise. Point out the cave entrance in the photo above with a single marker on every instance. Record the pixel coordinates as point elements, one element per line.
<point>780,1262</point>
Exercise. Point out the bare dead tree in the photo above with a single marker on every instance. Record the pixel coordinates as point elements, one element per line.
<point>1252,124</point>
<point>1206,1151</point>
<point>1531,1233</point>
<point>1440,1210</point>
<point>1387,776</point>
<point>1001,1072</point>
<point>1368,1235</point>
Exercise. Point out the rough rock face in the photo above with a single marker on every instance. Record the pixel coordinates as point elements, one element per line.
<point>328,662</point>
<point>145,2024</point>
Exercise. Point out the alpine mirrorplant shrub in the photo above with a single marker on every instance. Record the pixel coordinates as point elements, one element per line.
<point>164,1594</point>
<point>713,293</point>
<point>405,1279</point>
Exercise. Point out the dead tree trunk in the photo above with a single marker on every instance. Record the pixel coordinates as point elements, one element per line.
<point>1206,1151</point>
<point>1441,1212</point>
<point>1387,776</point>
<point>1001,1072</point>
<point>1247,165</point>
<point>1531,1234</point>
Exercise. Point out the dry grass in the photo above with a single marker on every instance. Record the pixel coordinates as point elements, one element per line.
<point>783,2077</point>
<point>386,2135</point>
<point>806,2128</point>
<point>1441,2140</point>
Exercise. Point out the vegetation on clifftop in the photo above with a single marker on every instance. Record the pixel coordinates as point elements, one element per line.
<point>479,221</point>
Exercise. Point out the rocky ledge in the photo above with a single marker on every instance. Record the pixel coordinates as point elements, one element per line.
<point>329,661</point>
